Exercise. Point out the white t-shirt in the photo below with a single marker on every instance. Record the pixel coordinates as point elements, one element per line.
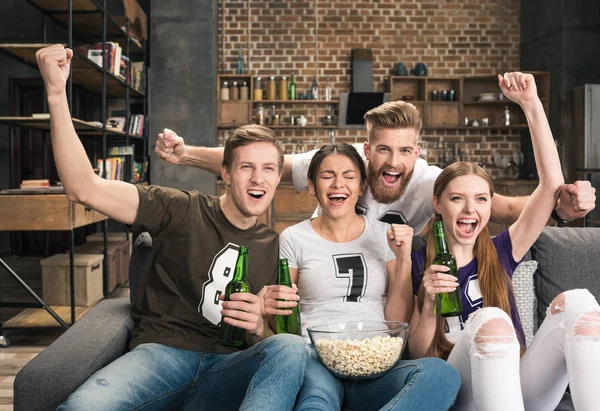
<point>414,208</point>
<point>338,281</point>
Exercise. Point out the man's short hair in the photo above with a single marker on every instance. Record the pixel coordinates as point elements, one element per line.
<point>252,133</point>
<point>393,114</point>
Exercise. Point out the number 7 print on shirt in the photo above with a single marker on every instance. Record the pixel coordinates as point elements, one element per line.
<point>353,268</point>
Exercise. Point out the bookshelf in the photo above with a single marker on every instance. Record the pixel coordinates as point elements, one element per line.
<point>115,81</point>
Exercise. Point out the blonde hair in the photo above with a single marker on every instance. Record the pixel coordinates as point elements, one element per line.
<point>252,133</point>
<point>393,114</point>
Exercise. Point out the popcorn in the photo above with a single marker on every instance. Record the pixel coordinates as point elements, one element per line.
<point>360,358</point>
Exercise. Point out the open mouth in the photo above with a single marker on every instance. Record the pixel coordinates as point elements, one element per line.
<point>390,178</point>
<point>337,198</point>
<point>256,194</point>
<point>466,226</point>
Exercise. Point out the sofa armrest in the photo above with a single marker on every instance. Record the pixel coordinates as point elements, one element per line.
<point>100,337</point>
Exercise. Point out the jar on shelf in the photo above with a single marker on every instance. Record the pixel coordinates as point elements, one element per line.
<point>283,88</point>
<point>225,91</point>
<point>260,115</point>
<point>258,91</point>
<point>271,89</point>
<point>244,91</point>
<point>235,91</point>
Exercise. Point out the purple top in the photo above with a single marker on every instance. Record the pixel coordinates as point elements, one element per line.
<point>472,299</point>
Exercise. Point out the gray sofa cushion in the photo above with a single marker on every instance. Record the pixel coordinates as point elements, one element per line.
<point>567,258</point>
<point>100,337</point>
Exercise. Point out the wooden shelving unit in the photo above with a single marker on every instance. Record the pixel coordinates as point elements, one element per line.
<point>235,113</point>
<point>451,114</point>
<point>86,22</point>
<point>82,127</point>
<point>85,72</point>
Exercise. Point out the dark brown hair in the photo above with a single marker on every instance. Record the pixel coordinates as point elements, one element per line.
<point>242,136</point>
<point>494,283</point>
<point>337,148</point>
<point>393,114</point>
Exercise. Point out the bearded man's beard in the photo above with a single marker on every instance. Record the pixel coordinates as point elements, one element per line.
<point>381,193</point>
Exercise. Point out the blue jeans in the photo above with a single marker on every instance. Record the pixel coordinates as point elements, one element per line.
<point>425,384</point>
<point>266,376</point>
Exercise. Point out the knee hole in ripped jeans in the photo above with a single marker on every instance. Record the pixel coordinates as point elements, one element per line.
<point>494,338</point>
<point>558,304</point>
<point>588,324</point>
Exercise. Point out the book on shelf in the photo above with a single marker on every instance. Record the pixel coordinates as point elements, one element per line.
<point>116,123</point>
<point>121,150</point>
<point>93,52</point>
<point>119,166</point>
<point>140,170</point>
<point>136,125</point>
<point>44,116</point>
<point>43,183</point>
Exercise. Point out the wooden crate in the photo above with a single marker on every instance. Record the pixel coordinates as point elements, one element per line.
<point>88,279</point>
<point>443,114</point>
<point>234,113</point>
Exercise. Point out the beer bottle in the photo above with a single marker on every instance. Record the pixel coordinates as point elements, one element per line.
<point>447,304</point>
<point>292,89</point>
<point>234,336</point>
<point>287,323</point>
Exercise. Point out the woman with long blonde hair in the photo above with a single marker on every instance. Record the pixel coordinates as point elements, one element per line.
<point>486,342</point>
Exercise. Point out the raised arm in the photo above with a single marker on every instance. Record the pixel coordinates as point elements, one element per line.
<point>172,148</point>
<point>521,89</point>
<point>400,303</point>
<point>116,199</point>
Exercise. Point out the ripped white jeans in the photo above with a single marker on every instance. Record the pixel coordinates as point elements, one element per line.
<point>565,350</point>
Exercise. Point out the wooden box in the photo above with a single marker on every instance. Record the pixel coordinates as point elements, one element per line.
<point>443,114</point>
<point>234,113</point>
<point>112,237</point>
<point>88,279</point>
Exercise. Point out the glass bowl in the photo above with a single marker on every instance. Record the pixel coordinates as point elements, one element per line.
<point>359,349</point>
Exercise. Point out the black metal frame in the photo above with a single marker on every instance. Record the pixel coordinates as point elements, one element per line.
<point>40,303</point>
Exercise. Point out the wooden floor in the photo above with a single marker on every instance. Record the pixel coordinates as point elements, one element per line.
<point>25,345</point>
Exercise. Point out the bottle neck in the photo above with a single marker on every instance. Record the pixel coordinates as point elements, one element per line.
<point>283,277</point>
<point>241,268</point>
<point>441,245</point>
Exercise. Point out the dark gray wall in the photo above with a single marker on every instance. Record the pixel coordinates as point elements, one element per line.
<point>183,73</point>
<point>562,37</point>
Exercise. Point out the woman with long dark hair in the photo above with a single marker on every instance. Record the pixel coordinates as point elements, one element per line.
<point>323,252</point>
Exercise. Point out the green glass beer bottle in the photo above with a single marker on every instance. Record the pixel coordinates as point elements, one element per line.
<point>447,304</point>
<point>234,336</point>
<point>287,323</point>
<point>292,89</point>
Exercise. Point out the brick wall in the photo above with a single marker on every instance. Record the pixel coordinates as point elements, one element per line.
<point>452,37</point>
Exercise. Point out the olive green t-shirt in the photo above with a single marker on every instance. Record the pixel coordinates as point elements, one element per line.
<point>194,252</point>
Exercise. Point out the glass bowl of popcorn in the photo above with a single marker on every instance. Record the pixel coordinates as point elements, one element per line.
<point>359,349</point>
